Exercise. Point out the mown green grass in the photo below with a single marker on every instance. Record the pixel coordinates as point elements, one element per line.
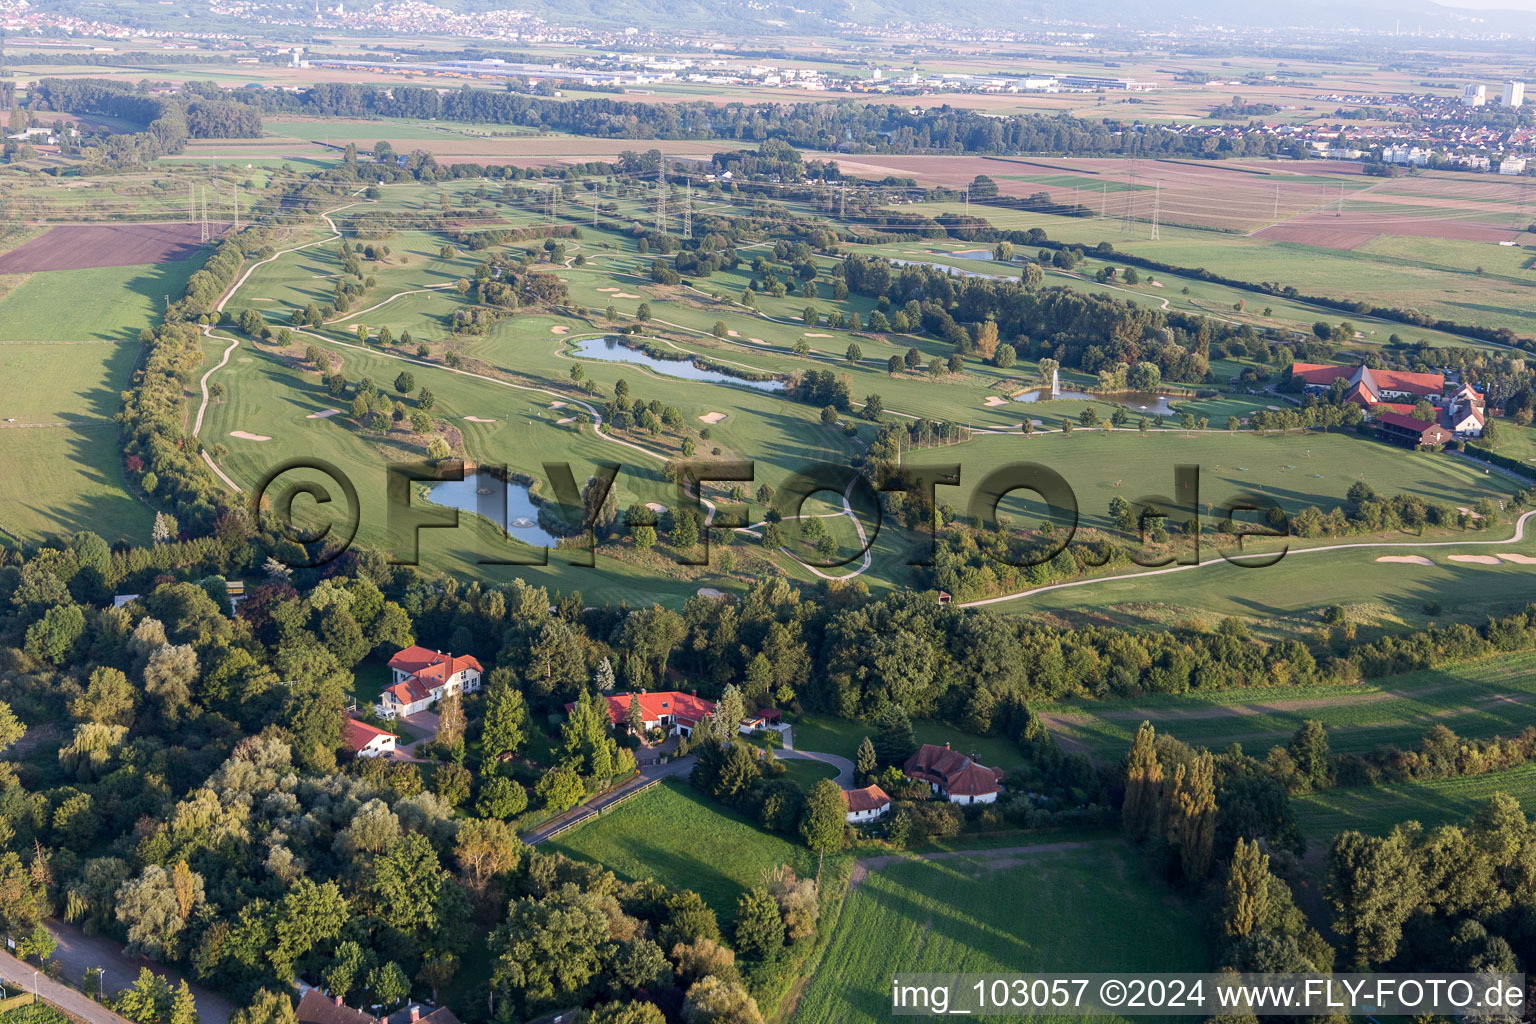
<point>95,304</point>
<point>58,444</point>
<point>677,836</point>
<point>1047,911</point>
<point>1376,810</point>
<point>1479,699</point>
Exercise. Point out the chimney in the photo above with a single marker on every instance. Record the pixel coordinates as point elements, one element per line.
<point>336,1000</point>
<point>415,1013</point>
<point>946,744</point>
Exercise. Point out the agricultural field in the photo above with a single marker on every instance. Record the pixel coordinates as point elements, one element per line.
<point>1002,910</point>
<point>77,357</point>
<point>1396,253</point>
<point>116,245</point>
<point>1479,699</point>
<point>684,840</point>
<point>1376,810</point>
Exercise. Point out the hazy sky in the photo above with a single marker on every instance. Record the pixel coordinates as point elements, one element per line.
<point>1528,6</point>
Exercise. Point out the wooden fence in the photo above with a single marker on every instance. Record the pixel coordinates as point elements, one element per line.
<point>582,818</point>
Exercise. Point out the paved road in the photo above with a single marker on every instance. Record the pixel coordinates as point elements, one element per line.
<point>79,952</point>
<point>844,766</point>
<point>650,773</point>
<point>21,977</point>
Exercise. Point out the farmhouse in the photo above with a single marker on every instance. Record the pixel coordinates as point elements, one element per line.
<point>1408,431</point>
<point>867,804</point>
<point>952,775</point>
<point>1465,412</point>
<point>423,677</point>
<point>671,711</point>
<point>1369,388</point>
<point>365,740</point>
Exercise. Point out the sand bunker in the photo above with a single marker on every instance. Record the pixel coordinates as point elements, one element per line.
<point>1273,408</point>
<point>712,417</point>
<point>757,341</point>
<point>710,592</point>
<point>605,290</point>
<point>656,506</point>
<point>1469,513</point>
<point>246,435</point>
<point>625,295</point>
<point>557,405</point>
<point>995,400</point>
<point>1406,559</point>
<point>559,329</point>
<point>1517,559</point>
<point>734,334</point>
<point>1476,559</point>
<point>818,335</point>
<point>477,419</point>
<point>568,419</point>
<point>323,414</point>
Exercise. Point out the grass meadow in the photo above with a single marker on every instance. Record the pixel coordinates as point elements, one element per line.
<point>994,912</point>
<point>1477,699</point>
<point>686,841</point>
<point>72,337</point>
<point>1376,810</point>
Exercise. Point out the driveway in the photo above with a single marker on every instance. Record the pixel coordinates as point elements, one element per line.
<point>22,977</point>
<point>844,766</point>
<point>78,952</point>
<point>424,724</point>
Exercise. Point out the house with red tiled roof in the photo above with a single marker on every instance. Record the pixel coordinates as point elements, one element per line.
<point>867,804</point>
<point>365,740</point>
<point>952,775</point>
<point>422,677</point>
<point>1367,387</point>
<point>1409,431</point>
<point>671,711</point>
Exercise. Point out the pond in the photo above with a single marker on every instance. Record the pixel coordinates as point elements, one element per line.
<point>484,493</point>
<point>954,270</point>
<point>1149,402</point>
<point>611,350</point>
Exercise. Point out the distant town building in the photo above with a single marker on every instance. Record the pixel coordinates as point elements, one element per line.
<point>1514,94</point>
<point>1092,82</point>
<point>1512,165</point>
<point>1474,95</point>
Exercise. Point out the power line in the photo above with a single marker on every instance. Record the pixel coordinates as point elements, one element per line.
<point>687,209</point>
<point>1157,205</point>
<point>661,197</point>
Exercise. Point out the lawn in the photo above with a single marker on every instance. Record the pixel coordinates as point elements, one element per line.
<point>1065,910</point>
<point>1321,816</point>
<point>686,841</point>
<point>1481,699</point>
